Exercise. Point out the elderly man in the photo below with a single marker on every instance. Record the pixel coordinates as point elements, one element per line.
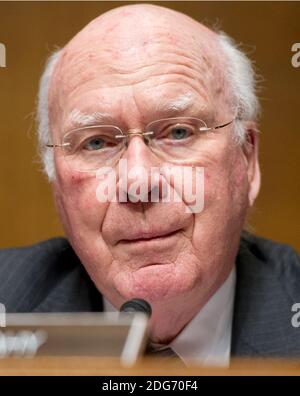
<point>153,88</point>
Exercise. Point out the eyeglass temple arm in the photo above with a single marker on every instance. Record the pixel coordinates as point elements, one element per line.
<point>57,145</point>
<point>217,127</point>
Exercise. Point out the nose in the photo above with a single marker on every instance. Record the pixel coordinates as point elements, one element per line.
<point>139,177</point>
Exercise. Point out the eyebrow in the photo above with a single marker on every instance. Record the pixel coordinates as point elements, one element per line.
<point>188,103</point>
<point>179,104</point>
<point>79,119</point>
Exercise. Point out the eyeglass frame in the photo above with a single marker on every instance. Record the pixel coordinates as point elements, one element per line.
<point>136,132</point>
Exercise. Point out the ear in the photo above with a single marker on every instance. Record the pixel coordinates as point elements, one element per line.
<point>250,149</point>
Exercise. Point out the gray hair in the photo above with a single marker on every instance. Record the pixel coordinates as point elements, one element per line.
<point>240,75</point>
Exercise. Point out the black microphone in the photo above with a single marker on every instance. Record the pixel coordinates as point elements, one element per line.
<point>137,305</point>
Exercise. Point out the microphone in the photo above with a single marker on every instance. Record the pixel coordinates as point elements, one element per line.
<point>137,305</point>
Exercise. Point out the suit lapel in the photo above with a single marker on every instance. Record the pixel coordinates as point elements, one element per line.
<point>73,290</point>
<point>262,310</point>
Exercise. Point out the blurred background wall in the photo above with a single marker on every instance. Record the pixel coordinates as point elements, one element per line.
<point>31,30</point>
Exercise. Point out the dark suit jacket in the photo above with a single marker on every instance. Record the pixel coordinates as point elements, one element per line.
<point>48,277</point>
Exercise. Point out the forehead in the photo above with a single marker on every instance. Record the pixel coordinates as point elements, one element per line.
<point>146,69</point>
<point>141,61</point>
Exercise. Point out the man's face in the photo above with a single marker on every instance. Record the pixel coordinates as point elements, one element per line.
<point>156,251</point>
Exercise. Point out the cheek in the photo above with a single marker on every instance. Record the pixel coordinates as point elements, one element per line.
<point>76,199</point>
<point>238,185</point>
<point>226,181</point>
<point>225,207</point>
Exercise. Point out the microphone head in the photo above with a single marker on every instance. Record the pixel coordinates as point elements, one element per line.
<point>137,305</point>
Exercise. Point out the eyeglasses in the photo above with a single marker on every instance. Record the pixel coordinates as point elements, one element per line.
<point>177,140</point>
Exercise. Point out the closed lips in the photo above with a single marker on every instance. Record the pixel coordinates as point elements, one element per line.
<point>149,236</point>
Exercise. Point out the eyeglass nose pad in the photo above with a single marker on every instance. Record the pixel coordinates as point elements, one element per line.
<point>146,140</point>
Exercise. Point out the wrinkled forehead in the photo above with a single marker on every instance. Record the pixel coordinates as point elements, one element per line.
<point>118,51</point>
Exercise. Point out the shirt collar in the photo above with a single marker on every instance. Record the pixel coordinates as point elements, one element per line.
<point>207,338</point>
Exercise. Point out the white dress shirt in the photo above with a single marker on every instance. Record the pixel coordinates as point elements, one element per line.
<point>206,340</point>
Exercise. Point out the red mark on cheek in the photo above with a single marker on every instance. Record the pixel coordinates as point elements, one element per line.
<point>77,179</point>
<point>83,186</point>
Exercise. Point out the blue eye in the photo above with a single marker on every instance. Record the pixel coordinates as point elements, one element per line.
<point>94,144</point>
<point>179,133</point>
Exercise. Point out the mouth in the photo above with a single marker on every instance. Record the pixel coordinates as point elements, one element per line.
<point>148,237</point>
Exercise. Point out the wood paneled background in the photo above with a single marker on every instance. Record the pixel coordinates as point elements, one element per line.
<point>30,30</point>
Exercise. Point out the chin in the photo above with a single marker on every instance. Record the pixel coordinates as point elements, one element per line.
<point>154,283</point>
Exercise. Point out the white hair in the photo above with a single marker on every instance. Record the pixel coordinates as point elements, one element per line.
<point>239,73</point>
<point>44,133</point>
